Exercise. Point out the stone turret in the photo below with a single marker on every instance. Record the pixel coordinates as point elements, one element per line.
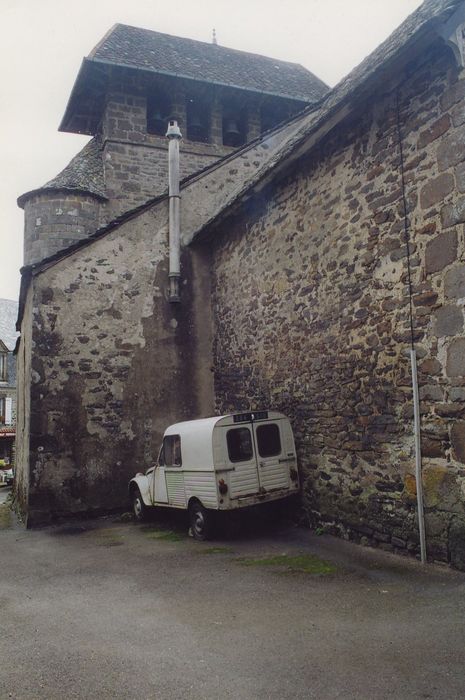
<point>66,209</point>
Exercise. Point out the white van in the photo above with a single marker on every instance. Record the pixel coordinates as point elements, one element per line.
<point>219,464</point>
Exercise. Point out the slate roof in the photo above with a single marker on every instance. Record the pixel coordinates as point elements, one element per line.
<point>8,315</point>
<point>145,49</point>
<point>83,174</point>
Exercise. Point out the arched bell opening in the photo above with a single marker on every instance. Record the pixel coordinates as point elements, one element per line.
<point>198,119</point>
<point>158,112</point>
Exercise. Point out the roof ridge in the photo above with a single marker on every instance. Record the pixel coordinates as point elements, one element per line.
<point>104,38</point>
<point>207,43</point>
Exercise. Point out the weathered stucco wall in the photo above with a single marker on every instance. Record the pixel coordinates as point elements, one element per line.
<point>114,364</point>
<point>311,311</point>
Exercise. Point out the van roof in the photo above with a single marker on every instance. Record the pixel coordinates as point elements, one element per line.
<point>207,424</point>
<point>197,435</point>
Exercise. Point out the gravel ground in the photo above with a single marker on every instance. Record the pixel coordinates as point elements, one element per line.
<point>108,609</point>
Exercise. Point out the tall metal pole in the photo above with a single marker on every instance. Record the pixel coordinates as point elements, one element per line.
<point>418,475</point>
<point>413,356</point>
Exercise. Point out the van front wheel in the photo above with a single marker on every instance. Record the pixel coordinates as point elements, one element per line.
<point>200,521</point>
<point>139,508</point>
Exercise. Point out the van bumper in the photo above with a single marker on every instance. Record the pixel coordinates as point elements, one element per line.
<point>256,499</point>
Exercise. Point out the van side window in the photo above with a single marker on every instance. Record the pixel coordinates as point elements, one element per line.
<point>239,442</point>
<point>268,440</point>
<point>170,455</point>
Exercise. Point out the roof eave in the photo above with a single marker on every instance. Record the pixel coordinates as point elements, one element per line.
<point>219,83</point>
<point>23,198</point>
<point>66,116</point>
<point>88,63</point>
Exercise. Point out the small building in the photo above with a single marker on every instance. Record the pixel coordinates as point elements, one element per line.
<point>8,336</point>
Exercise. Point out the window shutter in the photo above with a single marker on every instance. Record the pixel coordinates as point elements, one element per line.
<point>8,405</point>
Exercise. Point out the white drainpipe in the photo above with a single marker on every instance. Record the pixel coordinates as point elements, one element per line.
<point>174,136</point>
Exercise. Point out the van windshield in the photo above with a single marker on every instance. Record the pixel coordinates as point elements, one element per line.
<point>239,442</point>
<point>170,455</point>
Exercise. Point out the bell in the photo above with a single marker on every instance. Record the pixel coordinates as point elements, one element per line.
<point>232,131</point>
<point>158,120</point>
<point>195,122</point>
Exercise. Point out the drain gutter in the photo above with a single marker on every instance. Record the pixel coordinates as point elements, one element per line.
<point>174,136</point>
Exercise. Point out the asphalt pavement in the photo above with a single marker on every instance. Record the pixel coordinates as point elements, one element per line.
<point>109,609</point>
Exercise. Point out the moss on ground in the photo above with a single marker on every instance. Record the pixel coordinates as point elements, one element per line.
<point>5,517</point>
<point>164,535</point>
<point>304,563</point>
<point>107,537</point>
<point>216,550</point>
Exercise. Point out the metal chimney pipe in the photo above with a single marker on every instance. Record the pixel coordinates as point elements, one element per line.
<point>174,136</point>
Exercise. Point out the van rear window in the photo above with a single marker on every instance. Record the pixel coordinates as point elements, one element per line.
<point>268,440</point>
<point>239,442</point>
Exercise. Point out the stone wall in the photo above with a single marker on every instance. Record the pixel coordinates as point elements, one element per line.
<point>136,173</point>
<point>114,363</point>
<point>312,314</point>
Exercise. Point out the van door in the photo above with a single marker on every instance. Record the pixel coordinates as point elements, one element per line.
<point>160,492</point>
<point>174,475</point>
<point>241,459</point>
<point>159,485</point>
<point>273,461</point>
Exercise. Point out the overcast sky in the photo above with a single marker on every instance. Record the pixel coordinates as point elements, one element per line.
<point>42,43</point>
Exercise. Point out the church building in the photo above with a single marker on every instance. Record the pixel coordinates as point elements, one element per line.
<point>321,249</point>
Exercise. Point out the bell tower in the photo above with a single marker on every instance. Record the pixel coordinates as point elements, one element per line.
<point>129,87</point>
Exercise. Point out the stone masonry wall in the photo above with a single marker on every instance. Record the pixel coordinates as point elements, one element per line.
<point>113,364</point>
<point>312,314</point>
<point>136,173</point>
